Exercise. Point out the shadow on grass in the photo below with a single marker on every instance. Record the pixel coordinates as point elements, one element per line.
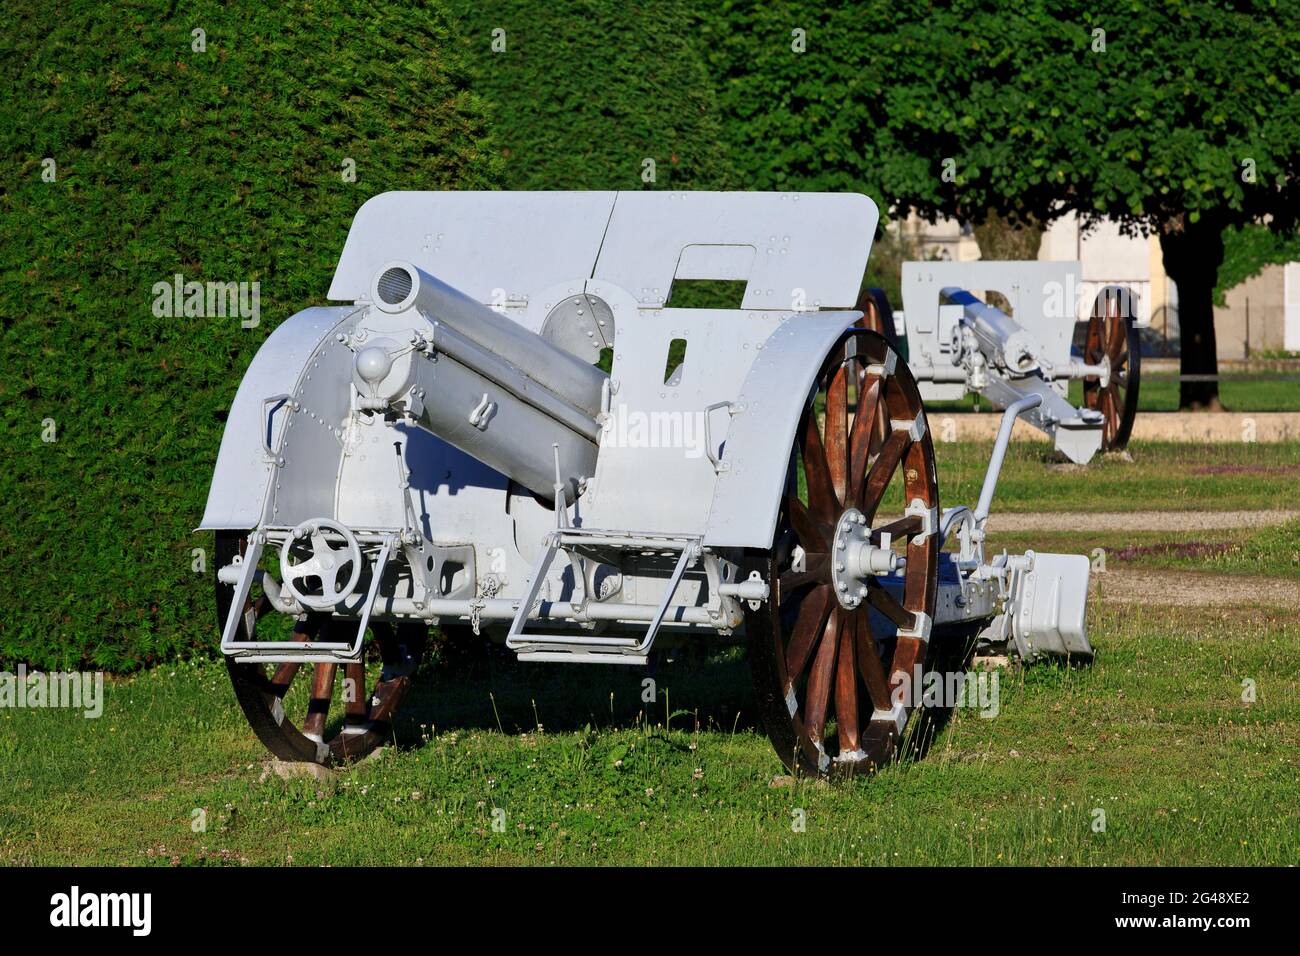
<point>475,685</point>
<point>950,654</point>
<point>482,686</point>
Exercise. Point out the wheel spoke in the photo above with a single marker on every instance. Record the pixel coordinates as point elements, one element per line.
<point>1112,413</point>
<point>869,666</point>
<point>907,650</point>
<point>909,524</point>
<point>814,571</point>
<point>882,470</point>
<point>1118,338</point>
<point>1094,348</point>
<point>846,687</point>
<point>387,697</point>
<point>813,536</point>
<point>807,629</point>
<point>863,434</point>
<point>821,490</point>
<point>322,692</point>
<point>357,708</point>
<point>819,680</point>
<point>888,605</point>
<point>287,671</point>
<point>283,677</point>
<point>837,429</point>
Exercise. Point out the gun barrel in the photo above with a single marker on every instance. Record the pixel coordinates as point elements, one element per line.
<point>1000,336</point>
<point>478,380</point>
<point>400,286</point>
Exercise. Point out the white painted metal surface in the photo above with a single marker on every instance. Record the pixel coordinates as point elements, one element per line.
<point>767,409</point>
<point>240,481</point>
<point>495,247</point>
<point>800,251</point>
<point>346,413</point>
<point>1041,295</point>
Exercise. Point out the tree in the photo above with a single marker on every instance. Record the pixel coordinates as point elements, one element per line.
<point>1178,119</point>
<point>1002,239</point>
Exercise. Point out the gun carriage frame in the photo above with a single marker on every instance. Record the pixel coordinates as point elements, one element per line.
<point>958,343</point>
<point>443,450</point>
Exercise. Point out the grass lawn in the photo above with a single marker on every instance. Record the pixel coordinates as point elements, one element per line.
<point>1273,392</point>
<point>1269,392</point>
<point>1164,476</point>
<point>1263,551</point>
<point>1155,734</point>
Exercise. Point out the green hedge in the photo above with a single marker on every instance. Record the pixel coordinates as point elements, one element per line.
<point>226,165</point>
<point>585,90</point>
<point>221,165</point>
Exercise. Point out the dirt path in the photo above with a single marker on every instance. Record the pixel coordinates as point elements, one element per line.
<point>1214,427</point>
<point>1194,589</point>
<point>1139,520</point>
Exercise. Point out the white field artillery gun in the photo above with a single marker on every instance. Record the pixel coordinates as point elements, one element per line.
<point>443,450</point>
<point>958,343</point>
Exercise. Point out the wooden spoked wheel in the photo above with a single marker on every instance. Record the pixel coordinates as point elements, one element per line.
<point>1113,336</point>
<point>878,315</point>
<point>834,680</point>
<point>261,688</point>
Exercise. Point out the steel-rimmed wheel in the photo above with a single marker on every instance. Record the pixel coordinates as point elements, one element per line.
<point>835,686</point>
<point>261,688</point>
<point>1112,339</point>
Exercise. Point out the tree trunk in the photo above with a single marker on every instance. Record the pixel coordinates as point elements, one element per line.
<point>1193,252</point>
<point>1002,239</point>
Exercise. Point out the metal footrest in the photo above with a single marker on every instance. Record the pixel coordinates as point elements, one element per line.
<point>581,657</point>
<point>587,648</point>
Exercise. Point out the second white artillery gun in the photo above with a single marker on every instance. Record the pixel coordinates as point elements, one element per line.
<point>443,449</point>
<point>958,343</point>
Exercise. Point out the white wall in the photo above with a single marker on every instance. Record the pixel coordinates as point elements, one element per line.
<point>1291,307</point>
<point>1107,256</point>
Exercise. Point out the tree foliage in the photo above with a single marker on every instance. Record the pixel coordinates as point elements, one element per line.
<point>1247,250</point>
<point>1180,118</point>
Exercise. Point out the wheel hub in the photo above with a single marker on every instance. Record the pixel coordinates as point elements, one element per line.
<point>857,557</point>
